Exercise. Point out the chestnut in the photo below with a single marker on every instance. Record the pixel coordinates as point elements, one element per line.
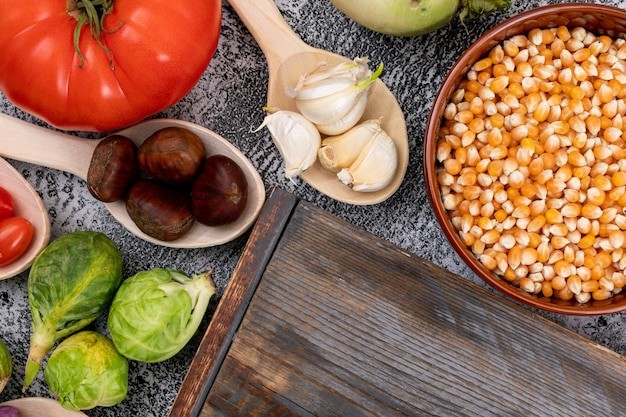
<point>113,168</point>
<point>172,155</point>
<point>220,192</point>
<point>160,211</point>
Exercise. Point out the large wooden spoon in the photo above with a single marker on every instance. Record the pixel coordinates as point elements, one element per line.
<point>26,142</point>
<point>28,204</point>
<point>288,57</point>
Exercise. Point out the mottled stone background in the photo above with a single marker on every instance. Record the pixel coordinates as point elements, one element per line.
<point>229,100</point>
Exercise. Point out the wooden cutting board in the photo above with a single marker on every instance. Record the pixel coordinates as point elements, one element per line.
<point>321,318</point>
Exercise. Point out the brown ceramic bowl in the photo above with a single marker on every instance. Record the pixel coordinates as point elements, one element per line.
<point>599,19</point>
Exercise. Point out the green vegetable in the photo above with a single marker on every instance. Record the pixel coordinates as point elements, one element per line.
<point>70,283</point>
<point>86,371</point>
<point>413,17</point>
<point>156,312</point>
<point>6,365</point>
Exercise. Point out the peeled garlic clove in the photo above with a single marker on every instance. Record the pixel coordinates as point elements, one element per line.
<point>375,167</point>
<point>296,138</point>
<point>338,152</point>
<point>334,99</point>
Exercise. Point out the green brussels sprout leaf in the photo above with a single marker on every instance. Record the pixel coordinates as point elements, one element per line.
<point>6,365</point>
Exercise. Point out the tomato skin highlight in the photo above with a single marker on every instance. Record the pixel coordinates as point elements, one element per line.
<point>160,49</point>
<point>7,205</point>
<point>16,233</point>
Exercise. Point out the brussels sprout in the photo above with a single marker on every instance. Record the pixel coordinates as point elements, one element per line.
<point>155,313</point>
<point>6,365</point>
<point>86,371</point>
<point>71,282</point>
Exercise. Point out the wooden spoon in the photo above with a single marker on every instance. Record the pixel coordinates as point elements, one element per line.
<point>30,143</point>
<point>288,57</point>
<point>28,204</point>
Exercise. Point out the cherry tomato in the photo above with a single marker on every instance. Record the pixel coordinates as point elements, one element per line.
<point>16,234</point>
<point>6,204</point>
<point>135,58</point>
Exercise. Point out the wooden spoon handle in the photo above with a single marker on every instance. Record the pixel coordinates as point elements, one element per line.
<point>266,24</point>
<point>27,142</point>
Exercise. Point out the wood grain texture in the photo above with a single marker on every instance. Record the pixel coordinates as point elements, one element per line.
<point>232,305</point>
<point>343,324</point>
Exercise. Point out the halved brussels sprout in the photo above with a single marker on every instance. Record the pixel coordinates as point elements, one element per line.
<point>155,313</point>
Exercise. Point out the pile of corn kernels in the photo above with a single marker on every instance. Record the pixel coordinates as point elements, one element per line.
<point>532,154</point>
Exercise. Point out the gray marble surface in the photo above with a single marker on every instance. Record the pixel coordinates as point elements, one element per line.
<point>229,99</point>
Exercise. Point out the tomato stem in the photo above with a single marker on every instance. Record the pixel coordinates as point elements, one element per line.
<point>92,12</point>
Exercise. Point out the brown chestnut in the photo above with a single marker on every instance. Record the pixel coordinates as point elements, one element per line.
<point>172,155</point>
<point>220,192</point>
<point>159,210</point>
<point>113,168</point>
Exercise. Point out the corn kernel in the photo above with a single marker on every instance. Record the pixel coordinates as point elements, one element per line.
<point>482,64</point>
<point>619,280</point>
<point>576,159</point>
<point>591,211</point>
<point>499,152</point>
<point>510,48</point>
<point>603,260</point>
<point>574,284</point>
<point>490,237</point>
<point>452,166</point>
<point>489,262</point>
<point>601,294</point>
<point>612,134</point>
<point>602,182</point>
<point>546,289</point>
<point>558,283</point>
<point>589,286</point>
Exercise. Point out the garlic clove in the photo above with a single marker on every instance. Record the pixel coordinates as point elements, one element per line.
<point>354,70</point>
<point>350,119</point>
<point>375,167</point>
<point>326,109</point>
<point>338,152</point>
<point>334,99</point>
<point>296,138</point>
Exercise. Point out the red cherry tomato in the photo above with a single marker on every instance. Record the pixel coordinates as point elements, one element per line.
<point>16,234</point>
<point>6,204</point>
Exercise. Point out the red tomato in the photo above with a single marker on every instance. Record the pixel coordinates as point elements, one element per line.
<point>16,234</point>
<point>158,51</point>
<point>6,204</point>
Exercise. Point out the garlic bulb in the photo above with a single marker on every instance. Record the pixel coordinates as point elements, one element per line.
<point>295,137</point>
<point>338,152</point>
<point>334,99</point>
<point>375,167</point>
